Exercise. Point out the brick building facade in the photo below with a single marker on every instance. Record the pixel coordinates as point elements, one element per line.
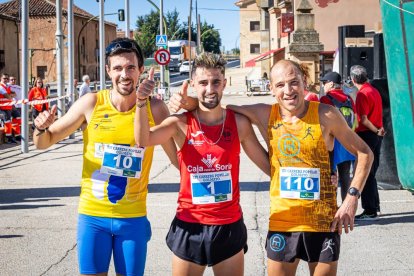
<point>42,42</point>
<point>9,53</point>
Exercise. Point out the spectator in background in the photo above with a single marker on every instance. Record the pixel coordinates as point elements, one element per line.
<point>371,130</point>
<point>342,159</point>
<point>6,96</point>
<point>84,89</point>
<point>75,89</point>
<point>38,92</point>
<point>16,109</point>
<point>309,96</point>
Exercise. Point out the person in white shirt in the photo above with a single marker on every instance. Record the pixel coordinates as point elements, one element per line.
<point>84,89</point>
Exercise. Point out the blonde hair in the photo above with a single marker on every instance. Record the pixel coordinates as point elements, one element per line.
<point>209,60</point>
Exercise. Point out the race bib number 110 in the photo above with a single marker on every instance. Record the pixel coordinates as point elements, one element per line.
<point>122,161</point>
<point>300,183</point>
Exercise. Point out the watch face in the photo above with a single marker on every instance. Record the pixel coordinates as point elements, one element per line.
<point>353,191</point>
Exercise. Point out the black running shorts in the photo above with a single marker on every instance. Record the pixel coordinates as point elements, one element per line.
<point>206,244</point>
<point>309,246</point>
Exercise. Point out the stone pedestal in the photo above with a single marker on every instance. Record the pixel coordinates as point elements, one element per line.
<point>305,46</point>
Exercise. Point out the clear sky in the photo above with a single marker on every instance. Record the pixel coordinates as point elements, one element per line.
<point>223,14</point>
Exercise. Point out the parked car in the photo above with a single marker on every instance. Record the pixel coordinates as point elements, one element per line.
<point>185,67</point>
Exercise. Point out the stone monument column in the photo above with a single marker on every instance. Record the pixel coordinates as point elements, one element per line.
<point>305,46</point>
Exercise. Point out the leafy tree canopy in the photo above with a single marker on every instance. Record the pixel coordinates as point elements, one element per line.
<point>148,27</point>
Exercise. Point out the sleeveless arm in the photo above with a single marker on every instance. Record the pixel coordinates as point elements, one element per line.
<point>258,114</point>
<point>160,113</point>
<point>66,125</point>
<point>335,125</point>
<point>251,144</point>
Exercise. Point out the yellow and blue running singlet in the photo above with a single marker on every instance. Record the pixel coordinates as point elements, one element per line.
<point>302,197</point>
<point>115,172</point>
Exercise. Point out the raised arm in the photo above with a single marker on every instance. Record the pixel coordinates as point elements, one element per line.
<point>251,144</point>
<point>181,100</point>
<point>48,131</point>
<point>167,126</point>
<point>161,113</point>
<point>337,127</point>
<point>258,114</point>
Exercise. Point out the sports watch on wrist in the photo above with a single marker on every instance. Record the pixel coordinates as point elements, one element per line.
<point>354,192</point>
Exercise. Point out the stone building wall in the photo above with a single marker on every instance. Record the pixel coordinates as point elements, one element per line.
<point>9,52</point>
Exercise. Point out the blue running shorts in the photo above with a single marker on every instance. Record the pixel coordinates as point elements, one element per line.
<point>127,238</point>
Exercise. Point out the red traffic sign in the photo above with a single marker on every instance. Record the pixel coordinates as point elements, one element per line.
<point>162,56</point>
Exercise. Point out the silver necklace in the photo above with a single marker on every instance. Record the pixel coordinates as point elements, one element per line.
<point>202,132</point>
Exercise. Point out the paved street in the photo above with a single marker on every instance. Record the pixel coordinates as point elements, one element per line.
<point>39,196</point>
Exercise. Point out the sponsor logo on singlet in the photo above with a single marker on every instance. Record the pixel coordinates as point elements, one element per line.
<point>210,162</point>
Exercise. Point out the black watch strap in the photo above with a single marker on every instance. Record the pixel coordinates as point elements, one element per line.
<point>40,131</point>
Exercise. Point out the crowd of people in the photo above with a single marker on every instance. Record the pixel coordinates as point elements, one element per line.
<point>302,137</point>
<point>10,115</point>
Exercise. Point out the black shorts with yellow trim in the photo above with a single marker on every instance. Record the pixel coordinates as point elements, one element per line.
<point>311,247</point>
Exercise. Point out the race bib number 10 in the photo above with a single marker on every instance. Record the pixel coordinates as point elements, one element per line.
<point>300,183</point>
<point>122,161</point>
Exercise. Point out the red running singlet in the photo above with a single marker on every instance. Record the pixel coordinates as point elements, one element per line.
<point>209,167</point>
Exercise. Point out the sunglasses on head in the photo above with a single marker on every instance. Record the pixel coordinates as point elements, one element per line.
<point>123,45</point>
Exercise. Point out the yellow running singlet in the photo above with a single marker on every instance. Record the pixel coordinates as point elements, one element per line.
<point>302,197</point>
<point>115,172</point>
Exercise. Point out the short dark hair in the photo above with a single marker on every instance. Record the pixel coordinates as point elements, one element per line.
<point>124,45</point>
<point>359,74</point>
<point>209,61</point>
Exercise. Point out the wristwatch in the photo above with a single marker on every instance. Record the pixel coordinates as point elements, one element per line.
<point>354,192</point>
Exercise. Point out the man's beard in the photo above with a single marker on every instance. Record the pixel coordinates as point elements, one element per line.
<point>211,105</point>
<point>125,92</point>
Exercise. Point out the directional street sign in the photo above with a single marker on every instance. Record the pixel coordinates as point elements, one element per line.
<point>162,57</point>
<point>161,40</point>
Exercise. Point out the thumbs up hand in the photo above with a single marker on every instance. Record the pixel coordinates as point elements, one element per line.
<point>46,118</point>
<point>179,100</point>
<point>147,86</point>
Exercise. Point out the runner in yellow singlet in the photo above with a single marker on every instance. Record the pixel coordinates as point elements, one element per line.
<point>305,223</point>
<point>112,207</point>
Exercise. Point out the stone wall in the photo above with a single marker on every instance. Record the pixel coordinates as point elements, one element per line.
<point>8,33</point>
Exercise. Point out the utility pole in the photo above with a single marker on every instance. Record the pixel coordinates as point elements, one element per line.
<point>162,76</point>
<point>71,86</point>
<point>59,59</point>
<point>189,38</point>
<point>127,18</point>
<point>24,74</point>
<point>199,46</point>
<point>102,44</point>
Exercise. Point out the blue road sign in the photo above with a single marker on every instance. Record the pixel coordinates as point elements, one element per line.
<point>161,40</point>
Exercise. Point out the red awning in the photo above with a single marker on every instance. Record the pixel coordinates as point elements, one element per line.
<point>252,62</point>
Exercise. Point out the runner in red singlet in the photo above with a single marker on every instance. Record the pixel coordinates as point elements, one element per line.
<point>208,229</point>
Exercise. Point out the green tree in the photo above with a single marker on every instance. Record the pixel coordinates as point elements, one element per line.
<point>148,26</point>
<point>235,51</point>
<point>210,38</point>
<point>147,29</point>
